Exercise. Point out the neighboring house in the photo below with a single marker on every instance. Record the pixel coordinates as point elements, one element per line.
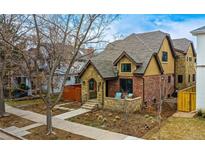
<point>141,64</point>
<point>73,78</point>
<point>185,63</point>
<point>200,82</point>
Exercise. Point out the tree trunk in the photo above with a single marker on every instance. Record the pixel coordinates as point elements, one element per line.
<point>30,87</point>
<point>49,118</point>
<point>2,103</point>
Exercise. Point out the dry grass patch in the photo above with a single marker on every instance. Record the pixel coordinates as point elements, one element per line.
<point>179,129</point>
<point>39,133</point>
<point>13,120</point>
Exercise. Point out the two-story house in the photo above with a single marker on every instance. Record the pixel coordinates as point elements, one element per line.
<point>141,64</point>
<point>185,63</point>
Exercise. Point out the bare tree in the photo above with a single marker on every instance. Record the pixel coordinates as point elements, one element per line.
<point>59,38</point>
<point>14,31</point>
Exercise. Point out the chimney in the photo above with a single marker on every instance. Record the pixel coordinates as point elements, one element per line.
<point>200,70</point>
<point>90,52</point>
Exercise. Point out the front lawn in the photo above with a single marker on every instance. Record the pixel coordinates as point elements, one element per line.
<point>179,129</point>
<point>40,133</point>
<point>38,106</point>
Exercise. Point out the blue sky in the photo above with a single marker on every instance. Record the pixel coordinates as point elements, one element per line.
<point>177,25</point>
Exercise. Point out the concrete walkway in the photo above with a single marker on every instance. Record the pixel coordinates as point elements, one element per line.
<point>72,113</point>
<point>71,127</point>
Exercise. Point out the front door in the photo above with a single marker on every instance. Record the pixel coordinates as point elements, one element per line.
<point>92,89</point>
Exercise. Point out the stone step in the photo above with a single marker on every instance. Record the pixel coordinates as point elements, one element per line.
<point>90,106</point>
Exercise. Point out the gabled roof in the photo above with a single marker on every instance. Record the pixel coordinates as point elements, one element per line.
<point>197,31</point>
<point>104,68</point>
<point>139,47</point>
<point>182,45</point>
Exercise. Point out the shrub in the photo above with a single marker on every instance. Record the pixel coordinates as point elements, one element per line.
<point>199,113</point>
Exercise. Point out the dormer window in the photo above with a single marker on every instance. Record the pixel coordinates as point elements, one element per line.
<point>164,56</point>
<point>126,67</point>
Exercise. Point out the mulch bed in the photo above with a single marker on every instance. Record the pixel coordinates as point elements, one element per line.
<point>40,133</point>
<point>41,108</point>
<point>135,125</point>
<point>13,120</point>
<point>166,112</point>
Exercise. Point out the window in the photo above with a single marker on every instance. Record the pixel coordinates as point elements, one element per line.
<point>180,78</point>
<point>164,56</point>
<point>195,60</point>
<point>92,84</point>
<point>189,78</point>
<point>190,58</point>
<point>194,77</point>
<point>77,79</point>
<point>68,78</point>
<point>126,85</point>
<point>169,79</point>
<point>125,67</point>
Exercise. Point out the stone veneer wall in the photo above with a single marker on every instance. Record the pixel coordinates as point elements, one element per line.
<point>91,73</point>
<point>129,105</point>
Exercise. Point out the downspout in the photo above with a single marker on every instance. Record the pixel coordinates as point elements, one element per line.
<point>143,89</point>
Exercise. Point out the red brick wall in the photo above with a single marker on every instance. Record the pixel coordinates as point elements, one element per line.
<point>151,89</point>
<point>113,87</point>
<point>138,86</point>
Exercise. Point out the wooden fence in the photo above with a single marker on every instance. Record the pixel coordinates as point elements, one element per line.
<point>186,101</point>
<point>72,93</point>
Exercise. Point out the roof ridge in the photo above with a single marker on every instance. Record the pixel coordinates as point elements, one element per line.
<point>143,43</point>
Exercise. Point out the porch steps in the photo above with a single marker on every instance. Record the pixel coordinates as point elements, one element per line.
<point>90,105</point>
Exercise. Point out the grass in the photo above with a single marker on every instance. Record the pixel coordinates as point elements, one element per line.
<point>24,102</point>
<point>179,129</point>
<point>38,106</point>
<point>40,133</point>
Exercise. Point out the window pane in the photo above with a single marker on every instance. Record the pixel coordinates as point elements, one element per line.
<point>126,85</point>
<point>164,56</point>
<point>126,68</point>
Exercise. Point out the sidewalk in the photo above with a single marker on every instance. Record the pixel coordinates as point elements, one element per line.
<point>71,127</point>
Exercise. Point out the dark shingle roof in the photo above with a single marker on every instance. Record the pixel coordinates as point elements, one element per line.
<point>140,47</point>
<point>197,31</point>
<point>182,45</point>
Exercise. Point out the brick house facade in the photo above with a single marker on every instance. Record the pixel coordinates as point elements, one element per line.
<point>141,64</point>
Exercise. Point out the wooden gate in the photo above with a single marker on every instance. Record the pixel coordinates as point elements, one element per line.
<point>72,93</point>
<point>186,101</point>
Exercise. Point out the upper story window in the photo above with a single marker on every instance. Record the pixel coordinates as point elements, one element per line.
<point>180,78</point>
<point>194,77</point>
<point>164,56</point>
<point>126,67</point>
<point>190,58</point>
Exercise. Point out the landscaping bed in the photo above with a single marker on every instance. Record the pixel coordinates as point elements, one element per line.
<point>135,125</point>
<point>175,128</point>
<point>13,120</point>
<point>40,133</point>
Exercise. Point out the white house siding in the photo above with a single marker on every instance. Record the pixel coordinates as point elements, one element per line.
<point>200,82</point>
